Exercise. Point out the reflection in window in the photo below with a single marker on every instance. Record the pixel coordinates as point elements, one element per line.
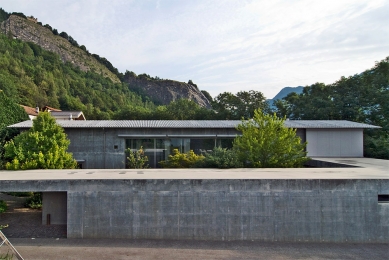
<point>159,149</point>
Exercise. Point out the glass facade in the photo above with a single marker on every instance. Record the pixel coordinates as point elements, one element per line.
<point>159,149</point>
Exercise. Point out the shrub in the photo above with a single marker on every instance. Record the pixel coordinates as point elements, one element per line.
<point>3,206</point>
<point>181,160</point>
<point>34,202</point>
<point>136,159</point>
<point>266,143</point>
<point>222,158</point>
<point>21,194</point>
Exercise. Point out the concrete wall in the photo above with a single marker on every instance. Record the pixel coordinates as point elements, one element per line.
<point>335,142</point>
<point>55,204</point>
<point>265,210</point>
<point>103,148</point>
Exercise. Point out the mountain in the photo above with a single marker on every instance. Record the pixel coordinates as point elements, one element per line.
<point>163,91</point>
<point>28,29</point>
<point>283,93</point>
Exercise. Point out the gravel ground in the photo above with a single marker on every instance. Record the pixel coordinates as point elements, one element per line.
<point>36,241</point>
<point>45,248</point>
<point>25,222</point>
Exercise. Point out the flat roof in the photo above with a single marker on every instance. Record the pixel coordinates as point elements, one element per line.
<point>366,169</point>
<point>195,124</point>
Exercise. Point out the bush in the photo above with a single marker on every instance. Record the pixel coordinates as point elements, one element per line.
<point>182,160</point>
<point>266,143</point>
<point>34,202</point>
<point>3,206</point>
<point>21,194</point>
<point>221,158</point>
<point>137,159</point>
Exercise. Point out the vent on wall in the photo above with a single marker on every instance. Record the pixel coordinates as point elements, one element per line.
<point>383,198</point>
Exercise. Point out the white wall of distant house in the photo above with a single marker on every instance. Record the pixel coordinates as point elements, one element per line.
<point>335,142</point>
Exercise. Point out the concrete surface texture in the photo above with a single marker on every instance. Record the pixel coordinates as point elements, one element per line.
<point>264,210</point>
<point>362,168</point>
<point>43,249</point>
<point>294,205</point>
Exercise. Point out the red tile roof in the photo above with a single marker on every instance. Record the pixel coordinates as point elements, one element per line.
<point>30,110</point>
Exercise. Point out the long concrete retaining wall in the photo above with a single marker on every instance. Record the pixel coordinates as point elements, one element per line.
<point>265,210</point>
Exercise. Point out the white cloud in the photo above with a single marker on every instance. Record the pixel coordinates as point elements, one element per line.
<point>226,45</point>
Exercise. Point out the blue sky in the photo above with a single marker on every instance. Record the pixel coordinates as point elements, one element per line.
<point>225,45</point>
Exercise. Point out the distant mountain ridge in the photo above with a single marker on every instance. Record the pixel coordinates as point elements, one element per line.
<point>283,93</point>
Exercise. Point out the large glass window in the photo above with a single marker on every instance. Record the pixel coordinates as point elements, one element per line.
<point>159,149</point>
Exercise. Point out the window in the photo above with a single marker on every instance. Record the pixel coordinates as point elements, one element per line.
<point>383,198</point>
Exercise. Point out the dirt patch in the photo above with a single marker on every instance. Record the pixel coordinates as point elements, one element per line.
<point>25,222</point>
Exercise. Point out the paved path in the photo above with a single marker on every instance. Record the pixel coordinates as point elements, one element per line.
<point>46,248</point>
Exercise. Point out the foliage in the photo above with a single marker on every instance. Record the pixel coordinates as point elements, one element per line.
<point>136,159</point>
<point>6,256</point>
<point>3,206</point>
<point>21,194</point>
<point>44,146</point>
<point>10,113</point>
<point>241,105</point>
<point>185,109</point>
<point>207,95</point>
<point>221,158</point>
<point>267,143</point>
<point>35,201</point>
<point>376,146</point>
<point>33,76</point>
<point>3,15</point>
<point>360,98</point>
<point>182,160</point>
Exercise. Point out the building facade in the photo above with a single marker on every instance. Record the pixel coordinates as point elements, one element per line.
<point>102,144</point>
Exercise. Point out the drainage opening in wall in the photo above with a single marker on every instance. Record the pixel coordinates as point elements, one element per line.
<point>383,198</point>
<point>34,214</point>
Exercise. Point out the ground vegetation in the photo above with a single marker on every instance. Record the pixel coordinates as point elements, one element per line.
<point>44,146</point>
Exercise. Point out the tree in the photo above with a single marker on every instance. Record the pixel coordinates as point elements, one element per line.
<point>10,113</point>
<point>44,146</point>
<point>243,104</point>
<point>267,143</point>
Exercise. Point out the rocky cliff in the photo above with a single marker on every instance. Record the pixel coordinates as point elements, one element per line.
<point>165,91</point>
<point>29,31</point>
<point>159,91</point>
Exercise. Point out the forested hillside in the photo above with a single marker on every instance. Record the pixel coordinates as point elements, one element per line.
<point>361,98</point>
<point>34,76</point>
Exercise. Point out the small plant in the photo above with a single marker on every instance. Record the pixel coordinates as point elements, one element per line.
<point>3,206</point>
<point>34,202</point>
<point>137,159</point>
<point>182,160</point>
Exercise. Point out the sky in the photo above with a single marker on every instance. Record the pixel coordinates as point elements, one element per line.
<point>225,45</point>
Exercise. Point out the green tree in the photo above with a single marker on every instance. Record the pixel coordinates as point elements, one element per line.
<point>44,146</point>
<point>243,104</point>
<point>10,113</point>
<point>267,143</point>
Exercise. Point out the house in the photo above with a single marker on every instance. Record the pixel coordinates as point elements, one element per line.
<point>31,112</point>
<point>102,144</point>
<point>56,113</point>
